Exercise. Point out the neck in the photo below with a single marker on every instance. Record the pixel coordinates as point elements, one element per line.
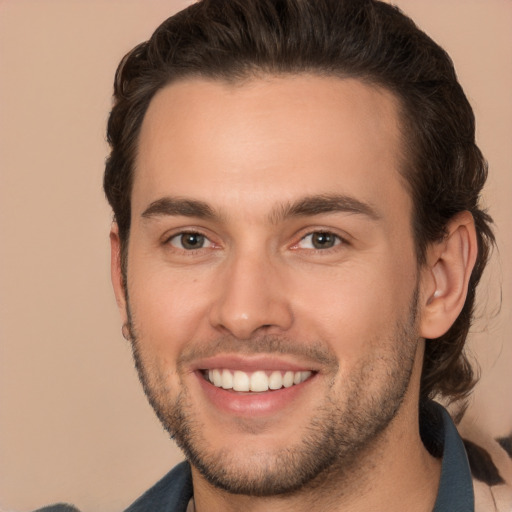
<point>395,473</point>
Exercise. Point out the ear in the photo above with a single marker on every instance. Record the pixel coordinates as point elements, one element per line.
<point>445,277</point>
<point>116,273</point>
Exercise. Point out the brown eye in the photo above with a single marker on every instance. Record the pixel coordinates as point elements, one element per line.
<point>319,240</point>
<point>323,240</point>
<point>190,241</point>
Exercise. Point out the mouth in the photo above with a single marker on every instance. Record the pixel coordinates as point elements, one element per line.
<point>259,381</point>
<point>253,386</point>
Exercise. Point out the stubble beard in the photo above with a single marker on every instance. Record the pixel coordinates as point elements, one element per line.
<point>341,431</point>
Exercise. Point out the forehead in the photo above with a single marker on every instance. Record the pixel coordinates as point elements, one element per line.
<point>270,139</point>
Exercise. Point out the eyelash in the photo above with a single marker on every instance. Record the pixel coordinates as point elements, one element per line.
<point>182,234</point>
<point>338,240</point>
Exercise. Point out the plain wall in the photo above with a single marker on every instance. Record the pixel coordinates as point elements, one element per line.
<point>74,424</point>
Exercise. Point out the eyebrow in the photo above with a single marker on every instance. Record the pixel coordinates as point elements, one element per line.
<point>176,206</point>
<point>304,207</point>
<point>324,203</point>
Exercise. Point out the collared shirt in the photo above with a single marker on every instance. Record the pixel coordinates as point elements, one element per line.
<point>173,493</point>
<point>455,493</point>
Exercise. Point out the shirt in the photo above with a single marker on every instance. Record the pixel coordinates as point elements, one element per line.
<point>455,494</point>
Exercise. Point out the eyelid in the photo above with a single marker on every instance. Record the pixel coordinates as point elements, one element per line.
<point>175,233</point>
<point>337,240</point>
<point>342,240</point>
<point>178,236</point>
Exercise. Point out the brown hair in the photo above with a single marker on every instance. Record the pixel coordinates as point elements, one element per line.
<point>366,39</point>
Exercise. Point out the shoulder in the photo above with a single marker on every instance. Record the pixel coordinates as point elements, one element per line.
<point>490,460</point>
<point>171,493</point>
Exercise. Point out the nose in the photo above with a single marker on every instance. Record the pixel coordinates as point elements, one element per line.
<point>251,298</point>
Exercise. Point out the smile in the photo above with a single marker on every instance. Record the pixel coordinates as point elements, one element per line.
<point>258,381</point>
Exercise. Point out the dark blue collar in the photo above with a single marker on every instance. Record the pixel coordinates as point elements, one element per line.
<point>455,492</point>
<point>439,434</point>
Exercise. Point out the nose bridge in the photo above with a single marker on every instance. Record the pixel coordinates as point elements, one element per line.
<point>250,295</point>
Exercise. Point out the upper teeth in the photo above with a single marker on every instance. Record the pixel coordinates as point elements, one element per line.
<point>256,381</point>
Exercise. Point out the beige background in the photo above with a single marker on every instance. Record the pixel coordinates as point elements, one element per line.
<point>74,424</point>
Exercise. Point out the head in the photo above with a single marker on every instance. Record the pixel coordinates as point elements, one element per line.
<point>372,41</point>
<point>228,48</point>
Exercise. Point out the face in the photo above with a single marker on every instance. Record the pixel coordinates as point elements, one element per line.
<point>271,276</point>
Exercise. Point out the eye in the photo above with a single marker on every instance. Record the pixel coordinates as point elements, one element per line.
<point>190,241</point>
<point>319,240</point>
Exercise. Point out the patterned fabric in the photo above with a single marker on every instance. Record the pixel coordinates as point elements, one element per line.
<point>490,463</point>
<point>490,460</point>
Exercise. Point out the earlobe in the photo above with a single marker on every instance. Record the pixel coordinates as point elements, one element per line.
<point>116,271</point>
<point>446,276</point>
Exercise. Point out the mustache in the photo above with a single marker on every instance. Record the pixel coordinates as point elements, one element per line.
<point>270,344</point>
<point>259,344</point>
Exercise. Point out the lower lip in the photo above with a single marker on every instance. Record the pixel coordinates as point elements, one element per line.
<point>252,404</point>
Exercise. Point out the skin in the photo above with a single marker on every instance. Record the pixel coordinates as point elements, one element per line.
<point>259,294</point>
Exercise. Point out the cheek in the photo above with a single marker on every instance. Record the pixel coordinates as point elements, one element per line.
<point>355,307</point>
<point>168,308</point>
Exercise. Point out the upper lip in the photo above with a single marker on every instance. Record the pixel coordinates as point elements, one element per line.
<point>254,363</point>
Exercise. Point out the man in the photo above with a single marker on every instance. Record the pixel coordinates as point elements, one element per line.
<point>295,252</point>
